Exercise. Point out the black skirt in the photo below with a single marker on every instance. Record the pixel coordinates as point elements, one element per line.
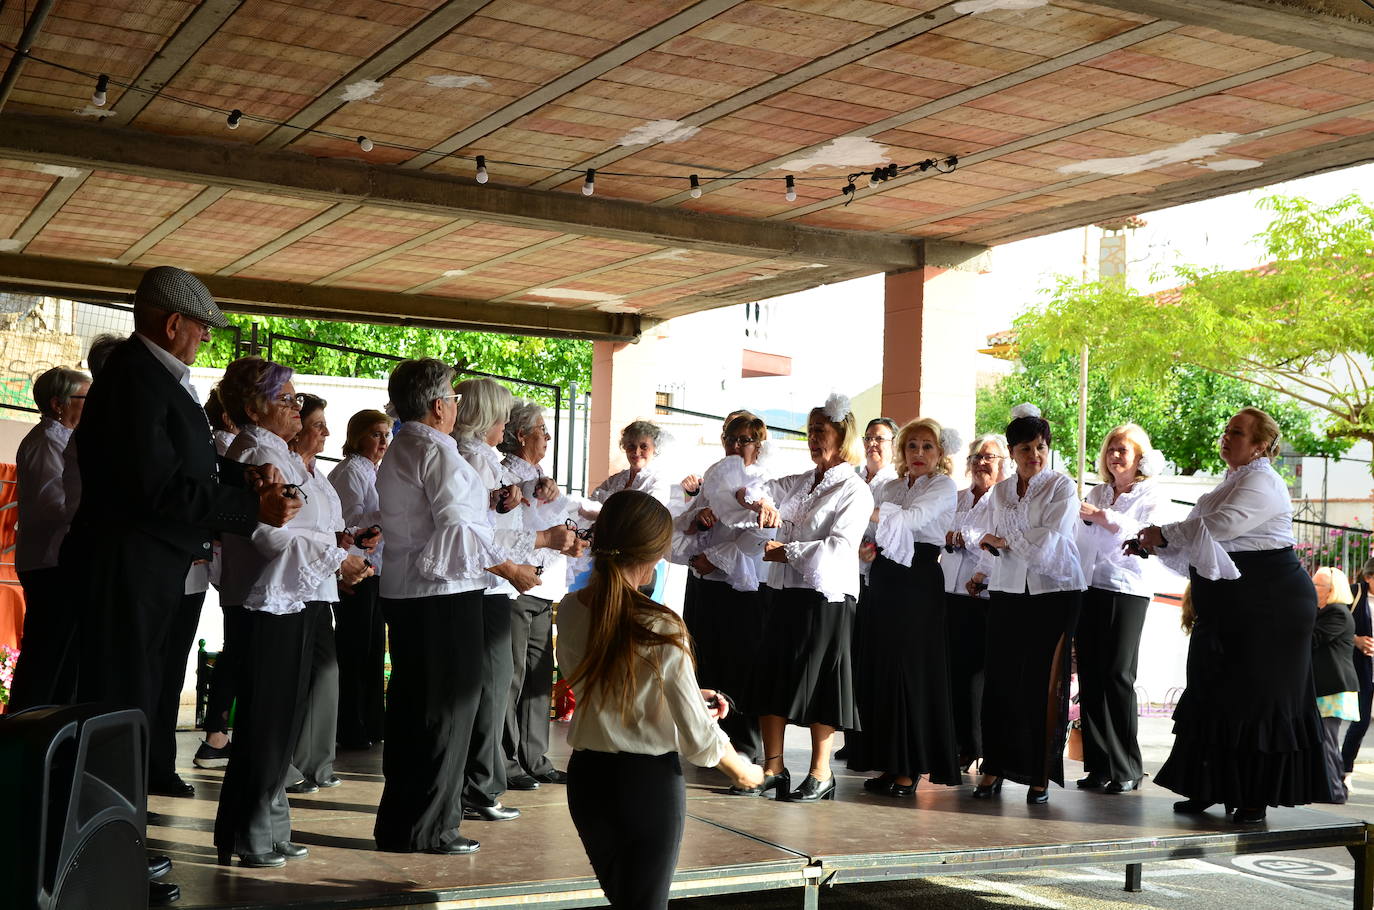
<point>726,627</point>
<point>903,694</point>
<point>804,672</point>
<point>1024,725</point>
<point>1246,731</point>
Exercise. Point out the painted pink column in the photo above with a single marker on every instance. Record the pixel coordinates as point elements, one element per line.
<point>623,384</point>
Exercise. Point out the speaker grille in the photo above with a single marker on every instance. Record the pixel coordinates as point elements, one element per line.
<point>108,872</point>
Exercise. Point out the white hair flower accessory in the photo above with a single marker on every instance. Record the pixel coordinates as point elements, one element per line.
<point>766,450</point>
<point>1151,462</point>
<point>1024,410</point>
<point>950,440</point>
<point>836,407</point>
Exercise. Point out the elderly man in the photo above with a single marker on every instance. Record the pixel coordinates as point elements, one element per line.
<point>152,498</point>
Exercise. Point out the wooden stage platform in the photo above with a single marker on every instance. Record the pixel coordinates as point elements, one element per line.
<point>731,844</point>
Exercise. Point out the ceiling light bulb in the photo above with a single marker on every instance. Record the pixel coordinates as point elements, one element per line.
<point>695,191</point>
<point>102,85</point>
<point>365,143</point>
<point>482,175</point>
<point>234,117</point>
<point>791,193</point>
<point>589,184</point>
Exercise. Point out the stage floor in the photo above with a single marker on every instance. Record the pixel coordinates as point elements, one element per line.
<point>730,845</point>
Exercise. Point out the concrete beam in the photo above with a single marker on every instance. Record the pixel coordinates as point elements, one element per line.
<point>55,140</point>
<point>93,280</point>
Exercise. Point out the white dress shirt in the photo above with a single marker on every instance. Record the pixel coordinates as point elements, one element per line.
<point>45,510</point>
<point>822,528</point>
<point>539,516</point>
<point>734,544</point>
<point>508,529</point>
<point>223,440</point>
<point>1248,511</point>
<point>1105,566</point>
<point>667,714</point>
<point>961,563</point>
<point>648,480</point>
<point>180,371</point>
<point>434,514</point>
<point>1041,531</point>
<point>919,513</point>
<point>279,569</point>
<point>355,481</point>
<point>884,474</point>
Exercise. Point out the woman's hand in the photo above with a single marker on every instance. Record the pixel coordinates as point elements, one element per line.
<point>344,540</point>
<point>769,517</point>
<point>1151,538</point>
<point>705,520</point>
<point>741,771</point>
<point>1365,645</point>
<point>774,551</point>
<point>716,706</point>
<point>702,565</point>
<point>354,569</point>
<point>1090,513</point>
<point>868,551</point>
<point>974,586</point>
<point>992,540</point>
<point>546,490</point>
<point>691,485</point>
<point>521,577</point>
<point>556,537</point>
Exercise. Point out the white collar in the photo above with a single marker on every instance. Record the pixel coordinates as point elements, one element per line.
<point>55,428</point>
<point>364,464</point>
<point>180,371</point>
<point>1259,464</point>
<point>424,430</point>
<point>522,469</point>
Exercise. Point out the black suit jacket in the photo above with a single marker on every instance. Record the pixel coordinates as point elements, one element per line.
<point>1333,638</point>
<point>148,462</point>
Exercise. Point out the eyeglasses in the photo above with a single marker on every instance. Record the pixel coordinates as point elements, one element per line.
<point>291,401</point>
<point>869,440</point>
<point>579,533</point>
<point>539,431</point>
<point>982,456</point>
<point>739,440</point>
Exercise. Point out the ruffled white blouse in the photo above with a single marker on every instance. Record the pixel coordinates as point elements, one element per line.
<point>667,712</point>
<point>1105,566</point>
<point>1041,531</point>
<point>538,516</point>
<point>919,513</point>
<point>355,481</point>
<point>885,473</point>
<point>278,569</point>
<point>45,510</point>
<point>959,564</point>
<point>508,529</point>
<point>1249,510</point>
<point>647,480</point>
<point>822,528</point>
<point>734,544</point>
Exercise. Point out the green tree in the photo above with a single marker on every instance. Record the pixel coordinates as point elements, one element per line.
<point>557,361</point>
<point>1183,411</point>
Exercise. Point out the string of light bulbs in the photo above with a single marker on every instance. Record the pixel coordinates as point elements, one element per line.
<point>235,117</point>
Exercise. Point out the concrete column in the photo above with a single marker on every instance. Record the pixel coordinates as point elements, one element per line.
<point>623,384</point>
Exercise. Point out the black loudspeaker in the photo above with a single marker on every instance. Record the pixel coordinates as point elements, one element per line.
<point>72,780</point>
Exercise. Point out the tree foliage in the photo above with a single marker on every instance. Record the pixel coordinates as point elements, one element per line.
<point>1301,327</point>
<point>556,361</point>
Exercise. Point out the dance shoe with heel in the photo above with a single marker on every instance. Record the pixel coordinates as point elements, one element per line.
<point>1123,786</point>
<point>903,791</point>
<point>780,784</point>
<point>290,850</point>
<point>1248,816</point>
<point>1093,781</point>
<point>253,860</point>
<point>882,784</point>
<point>813,790</point>
<point>1036,797</point>
<point>1192,806</point>
<point>988,791</point>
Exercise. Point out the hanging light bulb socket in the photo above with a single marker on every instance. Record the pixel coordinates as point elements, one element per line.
<point>232,121</point>
<point>695,191</point>
<point>365,143</point>
<point>482,175</point>
<point>102,86</point>
<point>791,194</point>
<point>589,182</point>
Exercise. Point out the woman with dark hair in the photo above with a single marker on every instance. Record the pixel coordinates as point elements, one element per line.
<point>1027,531</point>
<point>275,584</point>
<point>1246,730</point>
<point>359,630</point>
<point>640,710</point>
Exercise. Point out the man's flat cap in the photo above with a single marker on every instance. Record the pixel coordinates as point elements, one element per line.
<point>169,288</point>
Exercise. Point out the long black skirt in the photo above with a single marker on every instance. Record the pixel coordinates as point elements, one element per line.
<point>726,627</point>
<point>804,671</point>
<point>903,694</point>
<point>966,627</point>
<point>1246,731</point>
<point>1026,685</point>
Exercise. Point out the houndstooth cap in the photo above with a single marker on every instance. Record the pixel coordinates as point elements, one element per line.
<point>175,290</point>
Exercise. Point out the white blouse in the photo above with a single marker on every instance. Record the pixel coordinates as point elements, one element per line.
<point>45,509</point>
<point>734,544</point>
<point>821,530</point>
<point>667,714</point>
<point>959,564</point>
<point>647,480</point>
<point>539,516</point>
<point>1041,531</point>
<point>1105,566</point>
<point>1249,510</point>
<point>885,473</point>
<point>355,481</point>
<point>278,569</point>
<point>919,513</point>
<point>508,529</point>
<point>223,440</point>
<point>434,508</point>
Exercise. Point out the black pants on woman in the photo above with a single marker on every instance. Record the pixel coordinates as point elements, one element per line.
<point>1354,736</point>
<point>629,811</point>
<point>485,775</point>
<point>525,741</point>
<point>726,626</point>
<point>224,680</point>
<point>436,684</point>
<point>360,636</point>
<point>313,758</point>
<point>1108,649</point>
<point>273,671</point>
<point>48,649</point>
<point>966,629</point>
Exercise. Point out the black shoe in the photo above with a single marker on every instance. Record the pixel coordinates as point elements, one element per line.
<point>160,894</point>
<point>1249,816</point>
<point>812,790</point>
<point>171,786</point>
<point>883,784</point>
<point>904,791</point>
<point>255,860</point>
<point>551,776</point>
<point>496,813</point>
<point>1038,797</point>
<point>1123,786</point>
<point>158,866</point>
<point>303,786</point>
<point>328,783</point>
<point>290,850</point>
<point>207,756</point>
<point>988,791</point>
<point>842,752</point>
<point>780,783</point>
<point>1191,806</point>
<point>522,782</point>
<point>1093,781</point>
<point>457,847</point>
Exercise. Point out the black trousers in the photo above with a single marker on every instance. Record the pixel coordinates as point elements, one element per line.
<point>1331,752</point>
<point>436,684</point>
<point>485,776</point>
<point>313,757</point>
<point>223,681</point>
<point>46,674</point>
<point>629,811</point>
<point>273,673</point>
<point>1108,647</point>
<point>526,739</point>
<point>162,735</point>
<point>1354,736</point>
<point>360,637</point>
<point>966,629</point>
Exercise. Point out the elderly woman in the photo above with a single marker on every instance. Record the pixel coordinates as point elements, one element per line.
<point>903,693</point>
<point>359,630</point>
<point>277,582</point>
<point>1027,531</point>
<point>46,673</point>
<point>1246,733</point>
<point>1107,643</point>
<point>441,553</point>
<point>803,673</point>
<point>525,743</point>
<point>966,624</point>
<point>639,441</point>
<point>1363,658</point>
<point>1333,641</point>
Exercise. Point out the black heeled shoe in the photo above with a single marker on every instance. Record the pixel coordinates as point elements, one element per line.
<point>881,784</point>
<point>253,860</point>
<point>290,850</point>
<point>905,791</point>
<point>780,783</point>
<point>812,790</point>
<point>1123,786</point>
<point>1037,797</point>
<point>1093,781</point>
<point>1192,806</point>
<point>988,791</point>
<point>1249,816</point>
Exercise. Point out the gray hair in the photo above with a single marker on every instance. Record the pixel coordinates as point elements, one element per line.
<point>60,383</point>
<point>641,429</point>
<point>977,444</point>
<point>484,402</point>
<point>523,417</point>
<point>416,384</point>
<point>100,351</point>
